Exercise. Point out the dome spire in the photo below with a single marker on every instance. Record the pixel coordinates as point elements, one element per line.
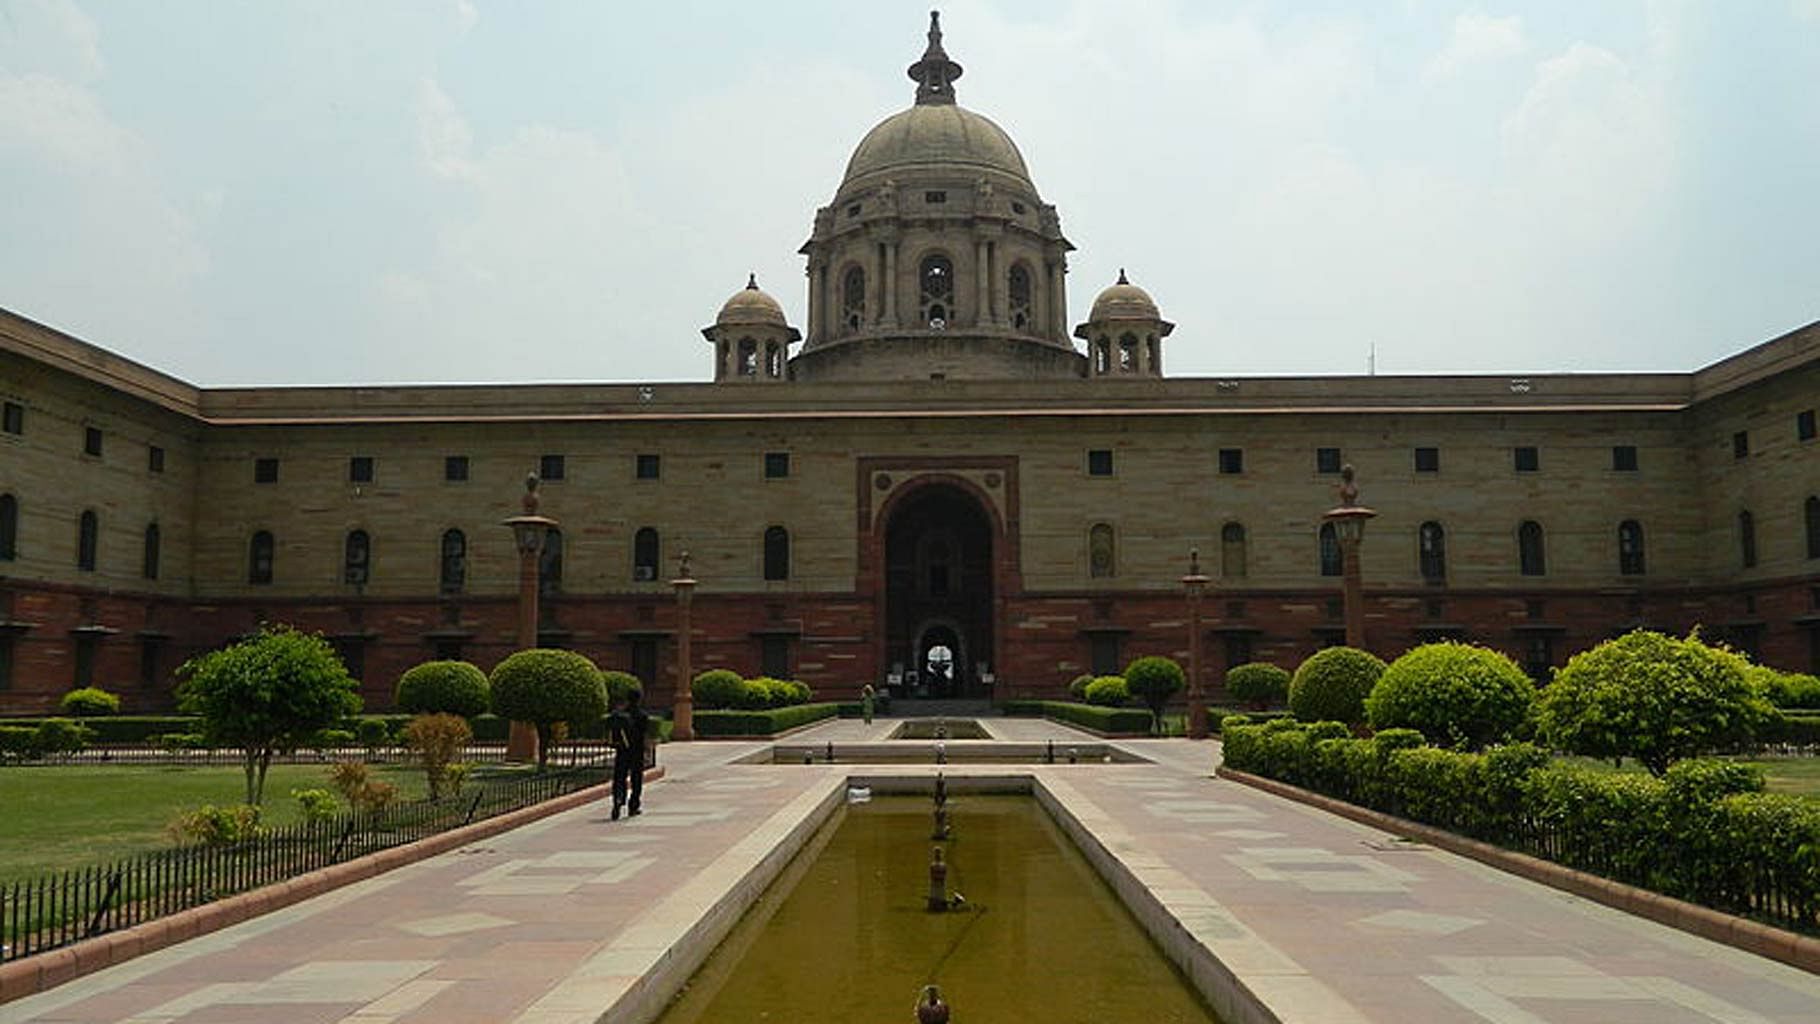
<point>935,73</point>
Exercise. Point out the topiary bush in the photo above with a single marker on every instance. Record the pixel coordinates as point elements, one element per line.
<point>620,684</point>
<point>1078,687</point>
<point>1258,683</point>
<point>544,686</point>
<point>1652,697</point>
<point>444,687</point>
<point>1153,680</point>
<point>89,702</point>
<point>1108,692</point>
<point>716,689</point>
<point>1457,695</point>
<point>1332,684</point>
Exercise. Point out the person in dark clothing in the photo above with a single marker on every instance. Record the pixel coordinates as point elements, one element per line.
<point>626,730</point>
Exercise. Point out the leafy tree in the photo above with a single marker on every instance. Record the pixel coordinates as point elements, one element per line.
<point>1455,694</point>
<point>267,694</point>
<point>1257,683</point>
<point>543,686</point>
<point>1332,684</point>
<point>443,687</point>
<point>437,740</point>
<point>1153,680</point>
<point>1652,697</point>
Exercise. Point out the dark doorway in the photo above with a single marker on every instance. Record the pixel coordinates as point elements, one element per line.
<point>938,592</point>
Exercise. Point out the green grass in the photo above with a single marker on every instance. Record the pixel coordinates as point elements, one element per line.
<point>66,816</point>
<point>1795,775</point>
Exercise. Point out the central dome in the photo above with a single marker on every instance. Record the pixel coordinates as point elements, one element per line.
<point>936,135</point>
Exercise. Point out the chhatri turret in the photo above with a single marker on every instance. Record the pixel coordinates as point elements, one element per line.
<point>1124,332</point>
<point>751,338</point>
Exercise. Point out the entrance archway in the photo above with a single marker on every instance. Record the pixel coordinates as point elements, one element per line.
<point>939,589</point>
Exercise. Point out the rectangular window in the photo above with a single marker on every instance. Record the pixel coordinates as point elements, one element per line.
<point>360,469</point>
<point>151,662</point>
<point>1539,656</point>
<point>448,649</point>
<point>1804,425</point>
<point>154,459</point>
<point>352,650</point>
<point>91,441</point>
<point>935,197</point>
<point>647,467</point>
<point>85,660</point>
<point>1624,458</point>
<point>455,468</point>
<point>777,465</point>
<point>550,467</point>
<point>265,471</point>
<point>1527,458</point>
<point>1105,654</point>
<point>1238,650</point>
<point>774,657</point>
<point>1099,462</point>
<point>1428,460</point>
<point>13,420</point>
<point>644,660</point>
<point>1232,460</point>
<point>1326,460</point>
<point>6,663</point>
<point>1741,444</point>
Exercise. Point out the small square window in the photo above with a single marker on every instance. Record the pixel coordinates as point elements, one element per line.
<point>1099,462</point>
<point>265,471</point>
<point>853,209</point>
<point>455,468</point>
<point>777,465</point>
<point>91,440</point>
<point>1528,459</point>
<point>1741,444</point>
<point>1624,458</point>
<point>360,469</point>
<point>154,459</point>
<point>647,467</point>
<point>1804,425</point>
<point>1232,460</point>
<point>1326,460</point>
<point>13,419</point>
<point>550,467</point>
<point>1428,460</point>
<point>935,197</point>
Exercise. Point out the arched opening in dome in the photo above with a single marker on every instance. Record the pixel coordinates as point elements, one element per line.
<point>1017,291</point>
<point>748,357</point>
<point>774,360</point>
<point>1128,353</point>
<point>853,299</point>
<point>937,289</point>
<point>1102,356</point>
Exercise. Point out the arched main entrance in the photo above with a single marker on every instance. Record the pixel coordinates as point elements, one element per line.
<point>938,590</point>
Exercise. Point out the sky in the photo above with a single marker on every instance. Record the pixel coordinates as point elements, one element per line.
<point>291,193</point>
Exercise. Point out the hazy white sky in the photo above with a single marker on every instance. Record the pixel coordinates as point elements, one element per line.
<point>456,190</point>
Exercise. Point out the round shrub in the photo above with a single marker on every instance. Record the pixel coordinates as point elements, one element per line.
<point>543,687</point>
<point>1078,688</point>
<point>716,689</point>
<point>1153,680</point>
<point>89,702</point>
<point>619,684</point>
<point>443,688</point>
<point>1108,691</point>
<point>1258,683</point>
<point>1455,694</point>
<point>1791,690</point>
<point>754,694</point>
<point>1331,685</point>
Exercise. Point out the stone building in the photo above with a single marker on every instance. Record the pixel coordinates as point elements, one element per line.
<point>932,460</point>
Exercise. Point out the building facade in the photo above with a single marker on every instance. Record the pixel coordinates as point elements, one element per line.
<point>932,460</point>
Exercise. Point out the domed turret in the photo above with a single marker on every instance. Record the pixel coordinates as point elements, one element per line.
<point>751,338</point>
<point>1124,332</point>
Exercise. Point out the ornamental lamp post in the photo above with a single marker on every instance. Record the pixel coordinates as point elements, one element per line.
<point>528,531</point>
<point>683,716</point>
<point>1194,584</point>
<point>1348,520</point>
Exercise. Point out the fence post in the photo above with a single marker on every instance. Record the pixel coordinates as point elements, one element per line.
<point>107,900</point>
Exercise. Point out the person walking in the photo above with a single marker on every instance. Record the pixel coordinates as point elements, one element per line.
<point>866,696</point>
<point>626,730</point>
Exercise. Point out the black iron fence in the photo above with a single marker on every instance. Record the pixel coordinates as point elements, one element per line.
<point>55,910</point>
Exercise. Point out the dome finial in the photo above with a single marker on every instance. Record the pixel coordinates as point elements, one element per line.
<point>935,73</point>
<point>752,281</point>
<point>1122,279</point>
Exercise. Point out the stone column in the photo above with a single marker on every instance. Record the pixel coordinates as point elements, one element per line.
<point>683,714</point>
<point>981,284</point>
<point>891,283</point>
<point>816,273</point>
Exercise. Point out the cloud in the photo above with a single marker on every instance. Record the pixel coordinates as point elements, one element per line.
<point>1805,10</point>
<point>52,37</point>
<point>443,135</point>
<point>1476,39</point>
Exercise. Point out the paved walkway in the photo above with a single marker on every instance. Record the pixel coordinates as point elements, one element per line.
<point>554,923</point>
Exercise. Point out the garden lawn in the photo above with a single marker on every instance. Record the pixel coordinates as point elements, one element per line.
<point>1796,775</point>
<point>54,817</point>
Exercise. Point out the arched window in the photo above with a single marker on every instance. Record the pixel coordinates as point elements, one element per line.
<point>936,283</point>
<point>549,563</point>
<point>1330,550</point>
<point>1811,508</point>
<point>1128,353</point>
<point>1431,547</point>
<point>1630,548</point>
<point>1232,551</point>
<point>777,553</point>
<point>356,558</point>
<point>748,358</point>
<point>1747,539</point>
<point>454,572</point>
<point>9,527</point>
<point>259,558</point>
<point>1017,291</point>
<point>1531,560</point>
<point>644,555</point>
<point>148,564</point>
<point>88,530</point>
<point>853,299</point>
<point>774,360</point>
<point>1100,552</point>
<point>1102,356</point>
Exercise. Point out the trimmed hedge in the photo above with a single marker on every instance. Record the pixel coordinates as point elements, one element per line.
<point>1456,694</point>
<point>1113,721</point>
<point>1332,685</point>
<point>89,702</point>
<point>1794,731</point>
<point>767,722</point>
<point>1108,691</point>
<point>1258,683</point>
